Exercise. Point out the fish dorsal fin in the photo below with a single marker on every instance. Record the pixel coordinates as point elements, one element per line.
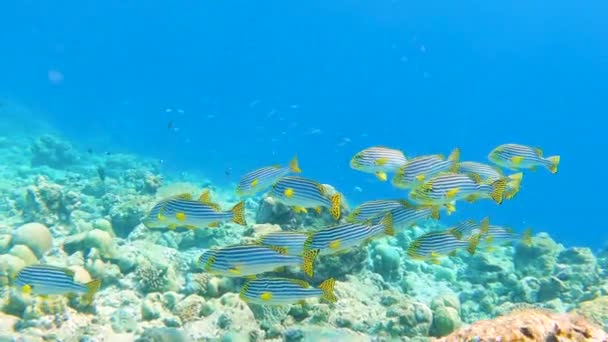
<point>280,250</point>
<point>440,156</point>
<point>475,177</point>
<point>407,204</point>
<point>184,196</point>
<point>368,222</point>
<point>276,166</point>
<point>538,151</point>
<point>205,197</point>
<point>322,189</point>
<point>69,272</point>
<point>299,282</point>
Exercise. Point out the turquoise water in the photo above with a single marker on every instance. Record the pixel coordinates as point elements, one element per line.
<point>203,92</point>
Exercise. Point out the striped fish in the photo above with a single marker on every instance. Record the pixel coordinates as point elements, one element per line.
<point>248,260</point>
<point>420,169</point>
<point>378,160</point>
<point>344,237</point>
<point>517,157</point>
<point>431,246</point>
<point>283,291</point>
<point>182,211</point>
<point>447,187</point>
<point>303,193</point>
<point>410,214</point>
<point>292,242</point>
<point>375,208</point>
<point>502,235</point>
<point>263,178</point>
<point>46,280</point>
<point>470,227</point>
<point>487,173</point>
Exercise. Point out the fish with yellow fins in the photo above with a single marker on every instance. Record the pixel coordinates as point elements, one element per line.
<point>483,173</point>
<point>434,245</point>
<point>48,280</point>
<point>302,193</point>
<point>445,188</point>
<point>284,291</point>
<point>378,160</point>
<point>263,178</point>
<point>183,211</point>
<point>518,157</point>
<point>245,260</point>
<point>420,169</point>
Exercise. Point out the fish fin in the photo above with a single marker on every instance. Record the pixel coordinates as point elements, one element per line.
<point>184,196</point>
<point>205,197</point>
<point>435,258</point>
<point>336,202</point>
<point>516,160</point>
<point>452,253</point>
<point>475,177</point>
<point>473,242</point>
<point>368,222</point>
<point>288,192</point>
<point>489,239</point>
<point>266,296</point>
<point>235,270</point>
<point>353,215</point>
<point>293,165</point>
<point>297,209</point>
<point>238,213</point>
<point>471,198</point>
<point>498,190</point>
<point>160,216</point>
<point>180,216</point>
<point>382,176</point>
<point>319,210</point>
<point>450,194</point>
<point>455,232</point>
<point>455,156</point>
<point>435,212</point>
<point>251,276</point>
<point>514,184</point>
<point>327,287</point>
<point>484,225</point>
<point>381,161</point>
<point>214,224</point>
<point>92,288</point>
<point>172,226</point>
<point>554,162</point>
<point>308,260</point>
<point>26,289</point>
<point>299,282</point>
<point>450,207</point>
<point>387,221</point>
<point>335,244</point>
<point>538,151</point>
<point>398,177</point>
<point>420,177</point>
<point>406,204</point>
<point>278,249</point>
<point>527,237</point>
<point>254,183</point>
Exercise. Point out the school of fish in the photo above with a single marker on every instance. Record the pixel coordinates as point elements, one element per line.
<point>433,182</point>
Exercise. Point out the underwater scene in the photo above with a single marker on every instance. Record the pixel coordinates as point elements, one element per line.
<point>323,171</point>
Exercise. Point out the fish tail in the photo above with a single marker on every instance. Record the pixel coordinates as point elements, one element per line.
<point>484,225</point>
<point>435,212</point>
<point>92,288</point>
<point>238,213</point>
<point>454,157</point>
<point>473,242</point>
<point>336,202</point>
<point>387,221</point>
<point>527,237</point>
<point>327,287</point>
<point>293,165</point>
<point>308,260</point>
<point>498,190</point>
<point>514,184</point>
<point>553,163</point>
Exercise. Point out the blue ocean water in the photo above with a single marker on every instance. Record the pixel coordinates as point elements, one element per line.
<point>261,81</point>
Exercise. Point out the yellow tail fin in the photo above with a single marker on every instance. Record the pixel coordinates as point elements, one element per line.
<point>238,213</point>
<point>498,190</point>
<point>387,221</point>
<point>473,242</point>
<point>554,163</point>
<point>92,288</point>
<point>336,202</point>
<point>308,261</point>
<point>435,212</point>
<point>484,225</point>
<point>328,290</point>
<point>527,237</point>
<point>293,165</point>
<point>455,158</point>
